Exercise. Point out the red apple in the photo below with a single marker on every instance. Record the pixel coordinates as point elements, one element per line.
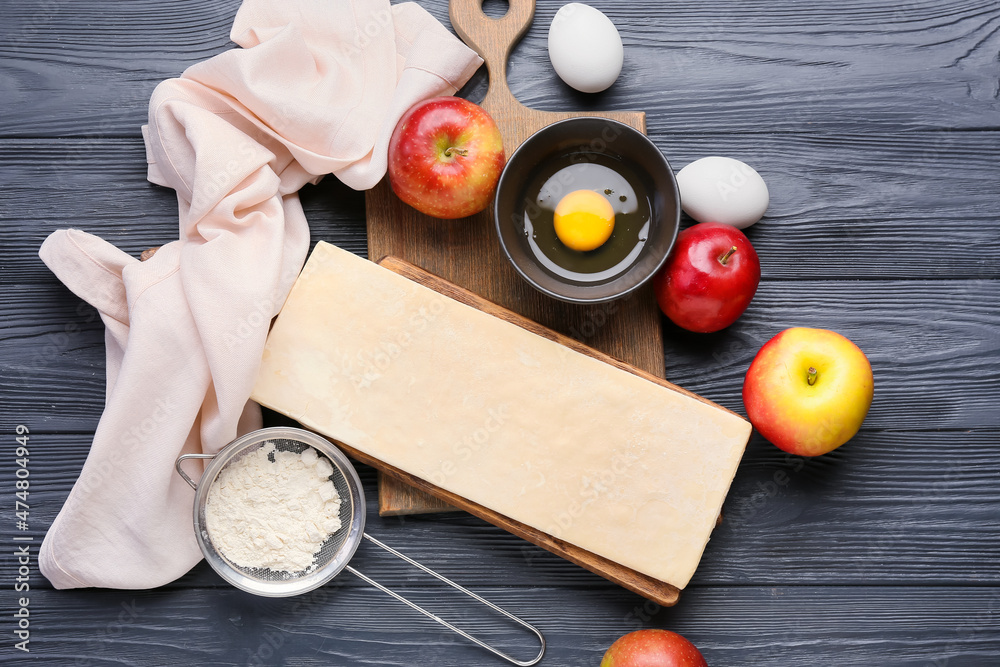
<point>653,648</point>
<point>445,157</point>
<point>709,279</point>
<point>808,390</point>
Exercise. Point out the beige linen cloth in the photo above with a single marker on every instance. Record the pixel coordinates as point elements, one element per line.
<point>316,88</point>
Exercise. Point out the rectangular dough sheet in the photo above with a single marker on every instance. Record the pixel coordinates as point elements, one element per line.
<point>550,437</point>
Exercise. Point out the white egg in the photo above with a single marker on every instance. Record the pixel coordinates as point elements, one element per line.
<point>721,189</point>
<point>585,48</point>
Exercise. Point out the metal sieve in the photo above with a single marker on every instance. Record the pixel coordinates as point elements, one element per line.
<point>336,551</point>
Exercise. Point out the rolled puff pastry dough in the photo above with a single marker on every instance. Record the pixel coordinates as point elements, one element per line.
<point>565,443</point>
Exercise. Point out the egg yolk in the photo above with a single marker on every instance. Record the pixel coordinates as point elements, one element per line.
<point>584,220</point>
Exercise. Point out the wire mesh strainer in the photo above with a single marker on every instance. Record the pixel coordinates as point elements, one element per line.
<point>338,549</point>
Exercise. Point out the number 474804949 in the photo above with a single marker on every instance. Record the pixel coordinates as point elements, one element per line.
<point>21,472</point>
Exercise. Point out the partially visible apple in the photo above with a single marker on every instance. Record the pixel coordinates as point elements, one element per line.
<point>808,390</point>
<point>445,157</point>
<point>653,648</point>
<point>709,279</point>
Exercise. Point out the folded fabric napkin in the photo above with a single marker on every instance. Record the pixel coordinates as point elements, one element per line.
<point>316,88</point>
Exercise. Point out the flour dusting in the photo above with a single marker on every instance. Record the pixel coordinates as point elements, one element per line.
<point>273,514</point>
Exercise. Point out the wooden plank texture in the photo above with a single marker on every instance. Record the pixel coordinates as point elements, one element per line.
<point>88,68</point>
<point>892,507</point>
<point>344,626</point>
<point>919,205</point>
<point>874,124</point>
<point>941,336</point>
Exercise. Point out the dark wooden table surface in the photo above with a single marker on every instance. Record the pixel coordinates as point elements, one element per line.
<point>875,124</point>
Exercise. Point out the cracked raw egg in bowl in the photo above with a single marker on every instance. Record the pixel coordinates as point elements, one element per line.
<point>587,209</point>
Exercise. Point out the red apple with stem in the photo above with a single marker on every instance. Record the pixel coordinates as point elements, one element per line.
<point>445,157</point>
<point>709,279</point>
<point>653,648</point>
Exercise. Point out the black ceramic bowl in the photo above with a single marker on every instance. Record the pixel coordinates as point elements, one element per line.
<point>588,135</point>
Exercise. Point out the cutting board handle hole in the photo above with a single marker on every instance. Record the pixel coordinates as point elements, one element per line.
<point>495,9</point>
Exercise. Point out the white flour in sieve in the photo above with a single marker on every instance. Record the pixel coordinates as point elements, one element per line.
<point>276,514</point>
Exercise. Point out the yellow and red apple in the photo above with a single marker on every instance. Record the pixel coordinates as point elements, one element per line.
<point>445,157</point>
<point>808,390</point>
<point>653,648</point>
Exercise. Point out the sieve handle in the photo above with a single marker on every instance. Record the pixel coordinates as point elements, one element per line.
<point>184,457</point>
<point>443,622</point>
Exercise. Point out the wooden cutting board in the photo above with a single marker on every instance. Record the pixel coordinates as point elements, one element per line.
<point>467,252</point>
<point>294,382</point>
